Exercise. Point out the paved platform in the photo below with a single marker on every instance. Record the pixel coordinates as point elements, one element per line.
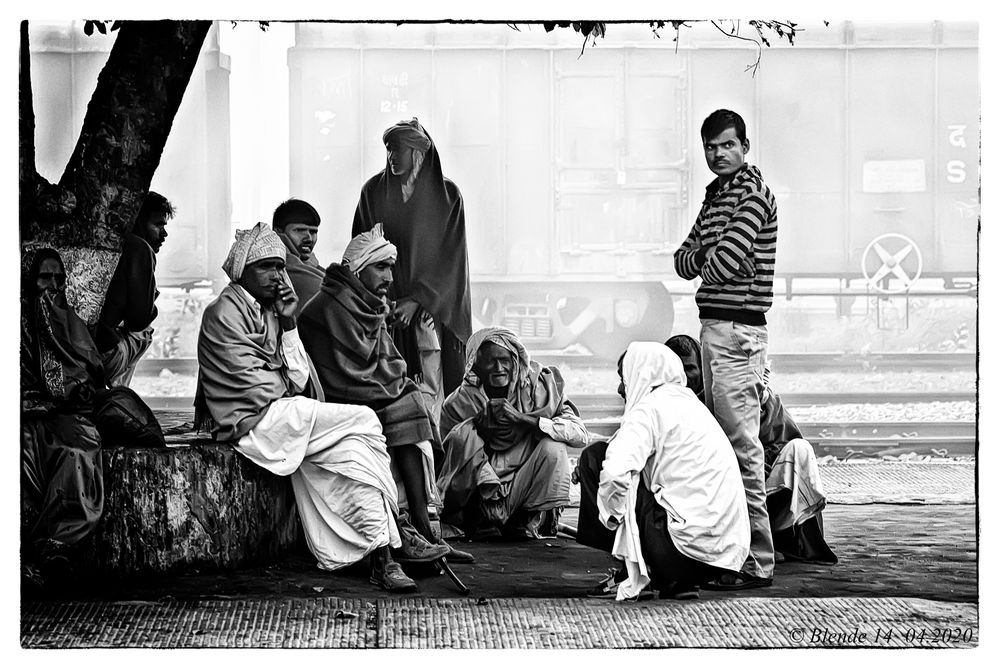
<point>927,552</point>
<point>903,529</point>
<point>531,595</point>
<point>332,622</point>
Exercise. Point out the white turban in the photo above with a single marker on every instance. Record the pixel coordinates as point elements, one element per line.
<point>251,245</point>
<point>367,248</point>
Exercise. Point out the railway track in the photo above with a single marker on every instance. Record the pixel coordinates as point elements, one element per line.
<point>606,404</point>
<point>866,439</point>
<point>596,404</point>
<point>602,414</point>
<point>840,439</point>
<point>811,362</point>
<point>781,362</point>
<point>602,411</point>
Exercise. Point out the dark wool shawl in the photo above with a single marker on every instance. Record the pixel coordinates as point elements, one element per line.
<point>344,332</point>
<point>432,266</point>
<point>776,428</point>
<point>60,366</point>
<point>131,294</point>
<point>306,275</point>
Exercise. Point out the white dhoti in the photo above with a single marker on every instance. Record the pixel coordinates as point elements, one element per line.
<point>796,470</point>
<point>340,472</point>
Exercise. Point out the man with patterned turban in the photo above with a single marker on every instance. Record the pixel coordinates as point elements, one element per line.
<point>345,333</point>
<point>423,215</point>
<point>506,469</point>
<point>253,371</point>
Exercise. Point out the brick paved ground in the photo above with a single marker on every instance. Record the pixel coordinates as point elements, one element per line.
<point>925,551</point>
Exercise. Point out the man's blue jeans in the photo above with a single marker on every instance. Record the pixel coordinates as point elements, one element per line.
<point>733,359</point>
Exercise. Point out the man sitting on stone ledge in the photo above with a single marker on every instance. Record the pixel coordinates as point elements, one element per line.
<point>253,370</point>
<point>346,335</point>
<point>506,469</point>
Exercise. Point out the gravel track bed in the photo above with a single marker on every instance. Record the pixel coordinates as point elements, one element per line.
<point>594,380</point>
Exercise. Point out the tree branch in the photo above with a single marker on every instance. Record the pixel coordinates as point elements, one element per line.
<point>759,48</point>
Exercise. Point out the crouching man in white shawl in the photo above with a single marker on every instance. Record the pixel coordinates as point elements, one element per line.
<point>253,371</point>
<point>670,486</point>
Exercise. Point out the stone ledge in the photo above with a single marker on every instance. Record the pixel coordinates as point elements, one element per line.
<point>199,505</point>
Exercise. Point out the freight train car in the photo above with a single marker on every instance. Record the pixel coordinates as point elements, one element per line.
<point>582,173</point>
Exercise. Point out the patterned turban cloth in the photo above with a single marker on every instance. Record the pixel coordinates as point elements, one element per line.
<point>251,245</point>
<point>368,248</point>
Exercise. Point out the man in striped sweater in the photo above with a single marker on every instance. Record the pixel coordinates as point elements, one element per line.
<point>731,249</point>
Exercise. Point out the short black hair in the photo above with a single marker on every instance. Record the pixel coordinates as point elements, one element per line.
<point>721,120</point>
<point>682,344</point>
<point>292,209</point>
<point>153,203</point>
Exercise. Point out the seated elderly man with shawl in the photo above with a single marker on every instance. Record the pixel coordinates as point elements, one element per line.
<point>253,371</point>
<point>507,426</point>
<point>345,334</point>
<point>795,497</point>
<point>669,502</point>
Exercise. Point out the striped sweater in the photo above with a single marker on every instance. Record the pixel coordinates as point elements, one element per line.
<point>736,222</point>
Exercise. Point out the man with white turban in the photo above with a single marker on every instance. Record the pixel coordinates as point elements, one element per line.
<point>506,470</point>
<point>253,370</point>
<point>670,496</point>
<point>346,334</point>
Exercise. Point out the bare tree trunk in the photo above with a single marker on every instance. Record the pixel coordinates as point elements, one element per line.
<point>124,131</point>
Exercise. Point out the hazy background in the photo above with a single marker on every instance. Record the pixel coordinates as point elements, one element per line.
<point>580,173</point>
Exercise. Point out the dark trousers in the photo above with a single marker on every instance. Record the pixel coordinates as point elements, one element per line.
<point>667,565</point>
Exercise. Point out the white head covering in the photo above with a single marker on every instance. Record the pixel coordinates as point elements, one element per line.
<point>647,366</point>
<point>367,248</point>
<point>251,245</point>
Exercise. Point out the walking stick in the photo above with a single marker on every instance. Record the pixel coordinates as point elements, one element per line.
<point>462,588</point>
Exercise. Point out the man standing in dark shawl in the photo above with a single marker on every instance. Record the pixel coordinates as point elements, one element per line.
<point>423,216</point>
<point>345,334</point>
<point>62,490</point>
<point>296,222</point>
<point>507,425</point>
